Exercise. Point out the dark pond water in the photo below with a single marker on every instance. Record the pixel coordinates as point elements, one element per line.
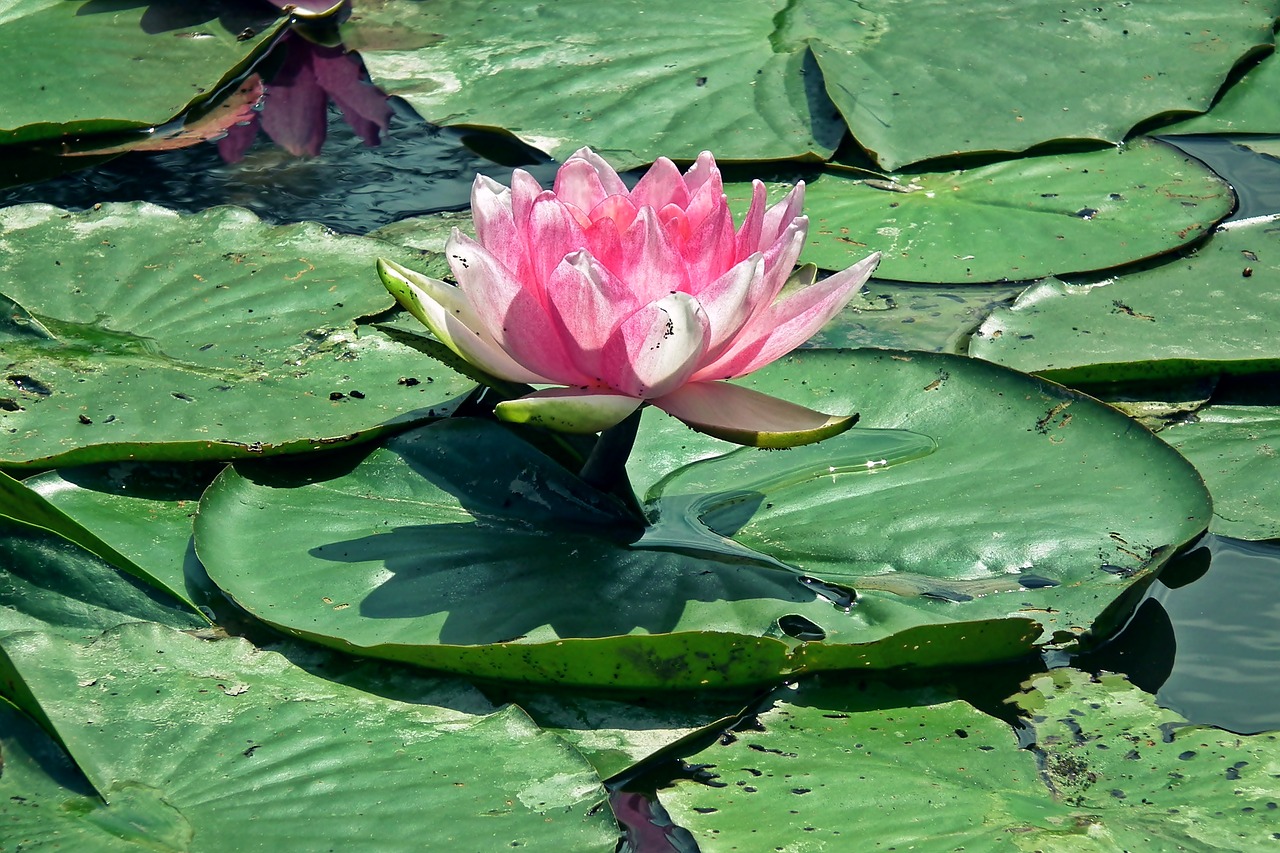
<point>1206,641</point>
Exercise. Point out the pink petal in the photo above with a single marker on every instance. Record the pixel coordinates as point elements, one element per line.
<point>508,311</point>
<point>727,304</point>
<point>675,223</point>
<point>771,334</point>
<point>780,215</point>
<point>587,302</point>
<point>661,185</point>
<point>613,185</point>
<point>444,310</point>
<point>618,208</point>
<point>568,409</point>
<point>551,233</point>
<point>655,350</point>
<point>710,248</point>
<point>578,183</point>
<point>748,417</point>
<point>495,225</point>
<point>749,234</point>
<point>702,171</point>
<point>525,189</point>
<point>706,199</point>
<point>647,260</point>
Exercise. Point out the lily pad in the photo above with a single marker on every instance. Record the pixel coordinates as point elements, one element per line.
<point>559,76</point>
<point>946,521</point>
<point>239,738</point>
<point>138,333</point>
<point>771,81</point>
<point>1151,325</point>
<point>1016,220</point>
<point>150,62</point>
<point>1237,451</point>
<point>418,554</point>
<point>1246,107</point>
<point>919,770</point>
<point>143,512</point>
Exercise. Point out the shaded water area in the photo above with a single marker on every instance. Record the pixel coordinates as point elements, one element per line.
<point>1204,640</point>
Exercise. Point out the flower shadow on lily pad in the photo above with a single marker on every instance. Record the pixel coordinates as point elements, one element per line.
<point>523,549</point>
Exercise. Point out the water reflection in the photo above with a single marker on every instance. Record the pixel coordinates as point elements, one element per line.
<point>1206,637</point>
<point>294,111</point>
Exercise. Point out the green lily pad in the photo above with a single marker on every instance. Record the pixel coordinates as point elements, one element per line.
<point>238,737</point>
<point>48,583</point>
<point>948,521</point>
<point>1147,775</point>
<point>899,769</point>
<point>150,62</point>
<point>1151,325</point>
<point>143,512</point>
<point>1016,220</point>
<point>1237,451</point>
<point>927,317</point>
<point>138,333</point>
<point>425,557</point>
<point>418,554</point>
<point>1248,106</point>
<point>560,77</point>
<point>770,81</point>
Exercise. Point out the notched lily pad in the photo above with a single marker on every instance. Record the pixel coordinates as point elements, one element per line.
<point>1017,220</point>
<point>753,565</point>
<point>1214,312</point>
<point>235,735</point>
<point>138,333</point>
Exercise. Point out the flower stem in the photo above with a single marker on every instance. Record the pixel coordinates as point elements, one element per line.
<point>606,467</point>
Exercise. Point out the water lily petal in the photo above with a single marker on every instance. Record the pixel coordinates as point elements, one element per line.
<point>648,261</point>
<point>726,302</point>
<point>748,239</point>
<point>587,302</point>
<point>568,409</point>
<point>509,312</point>
<point>364,106</point>
<point>444,310</point>
<point>552,233</point>
<point>748,417</point>
<point>703,171</point>
<point>613,185</point>
<point>578,183</point>
<point>525,189</point>
<point>710,247</point>
<point>780,215</point>
<point>661,185</point>
<point>773,333</point>
<point>495,224</point>
<point>657,348</point>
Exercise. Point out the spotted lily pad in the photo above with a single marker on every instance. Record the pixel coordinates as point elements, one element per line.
<point>1016,220</point>
<point>1151,325</point>
<point>747,567</point>
<point>133,332</point>
<point>239,737</point>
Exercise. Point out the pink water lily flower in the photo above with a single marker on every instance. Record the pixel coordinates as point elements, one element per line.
<point>625,297</point>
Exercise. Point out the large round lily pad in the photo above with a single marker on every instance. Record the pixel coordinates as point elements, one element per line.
<point>148,63</point>
<point>1016,220</point>
<point>134,332</point>
<point>247,751</point>
<point>766,81</point>
<point>1054,507</point>
<point>1214,312</point>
